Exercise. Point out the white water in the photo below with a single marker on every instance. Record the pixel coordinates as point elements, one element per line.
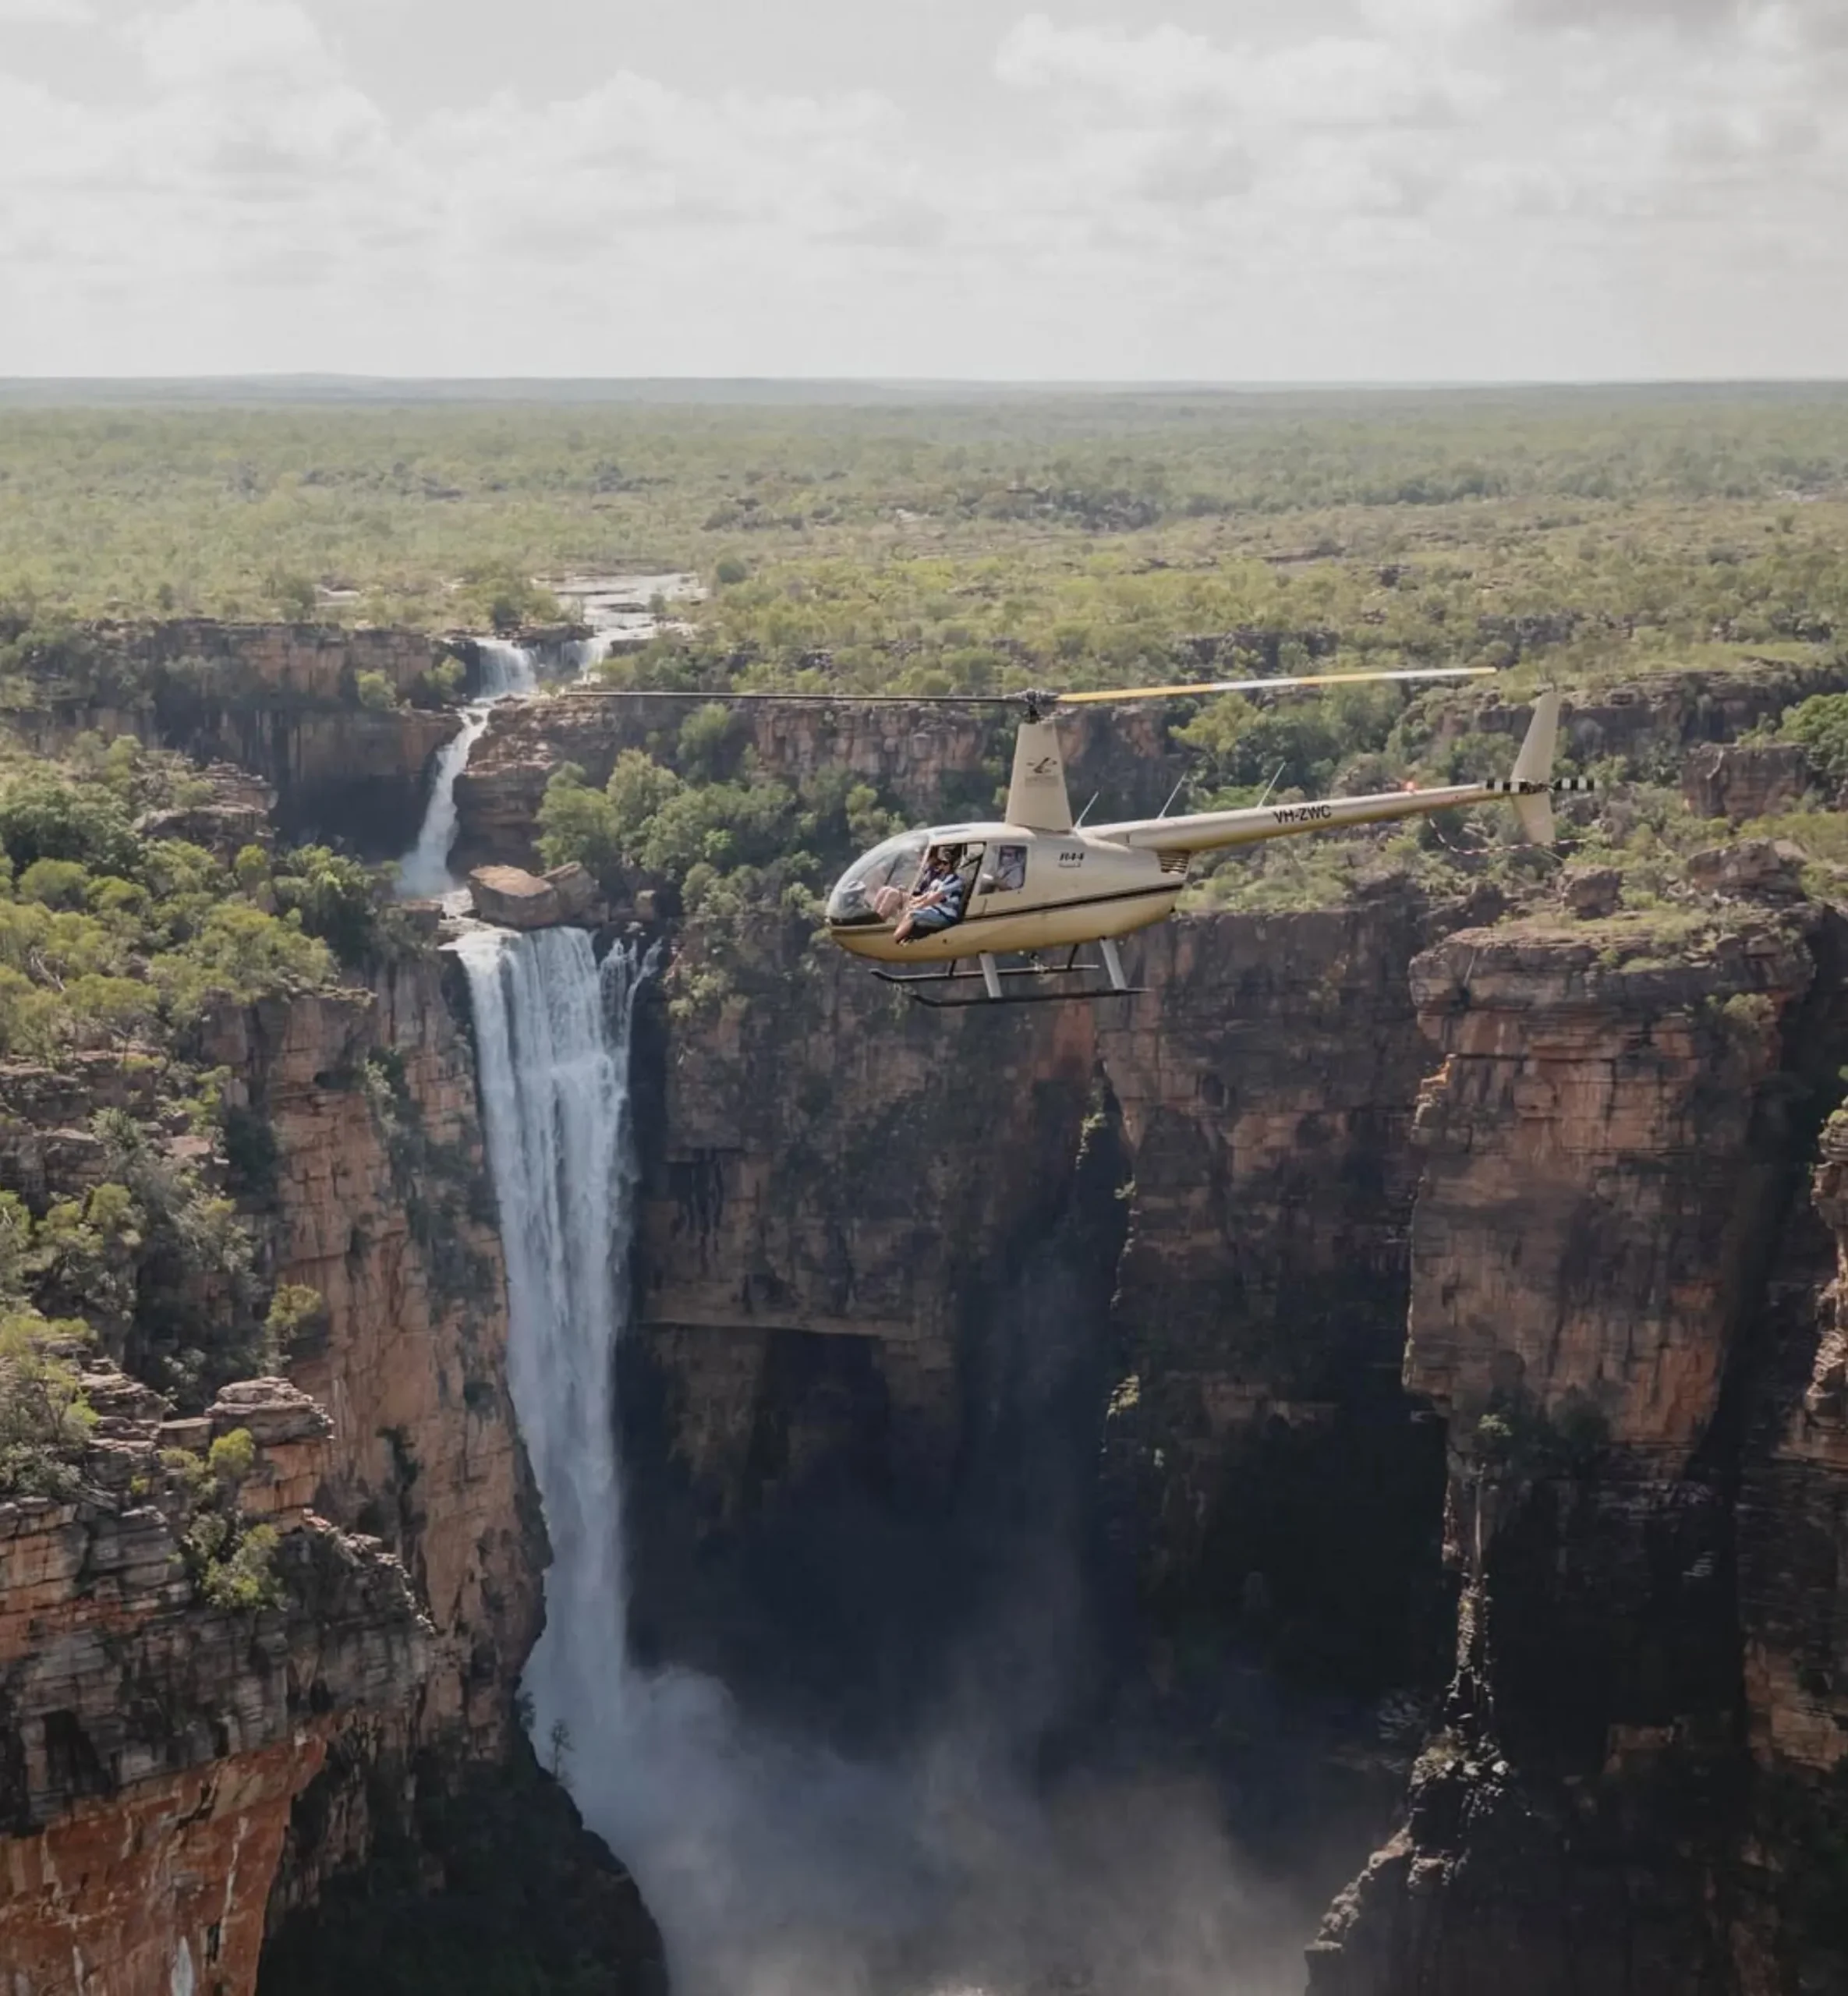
<point>583,655</point>
<point>506,670</point>
<point>424,870</point>
<point>773,1866</point>
<point>551,1035</point>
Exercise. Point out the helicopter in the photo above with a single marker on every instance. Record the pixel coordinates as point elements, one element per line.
<point>1033,883</point>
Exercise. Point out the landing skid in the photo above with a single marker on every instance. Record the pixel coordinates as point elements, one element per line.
<point>988,974</point>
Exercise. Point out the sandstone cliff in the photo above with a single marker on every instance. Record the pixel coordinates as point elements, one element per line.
<point>285,1782</point>
<point>1612,1264</point>
<point>282,700</point>
<point>1081,1323</point>
<point>151,1744</point>
<point>935,762</point>
<point>374,1196</point>
<point>1650,722</point>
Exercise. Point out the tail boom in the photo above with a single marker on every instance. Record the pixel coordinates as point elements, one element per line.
<point>1212,831</point>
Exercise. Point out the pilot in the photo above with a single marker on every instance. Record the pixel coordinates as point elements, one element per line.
<point>937,901</point>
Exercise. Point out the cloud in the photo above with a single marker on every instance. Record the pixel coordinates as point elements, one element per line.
<point>1409,186</point>
<point>217,41</point>
<point>56,14</point>
<point>1324,80</point>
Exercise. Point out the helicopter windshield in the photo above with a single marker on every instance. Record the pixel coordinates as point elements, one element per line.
<point>892,865</point>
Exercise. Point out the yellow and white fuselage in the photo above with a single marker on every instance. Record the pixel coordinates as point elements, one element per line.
<point>1034,882</point>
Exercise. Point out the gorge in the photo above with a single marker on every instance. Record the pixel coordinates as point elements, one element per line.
<point>1063,1501</point>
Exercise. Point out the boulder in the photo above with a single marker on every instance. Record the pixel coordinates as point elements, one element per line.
<point>224,830</point>
<point>1593,891</point>
<point>515,898</point>
<point>425,918</point>
<point>576,889</point>
<point>1741,780</point>
<point>1759,869</point>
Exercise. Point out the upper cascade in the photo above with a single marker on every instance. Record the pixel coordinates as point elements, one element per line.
<point>508,671</point>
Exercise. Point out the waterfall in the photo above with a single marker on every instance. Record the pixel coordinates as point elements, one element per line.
<point>551,1037</point>
<point>507,670</point>
<point>424,870</point>
<point>583,655</point>
<point>659,1764</point>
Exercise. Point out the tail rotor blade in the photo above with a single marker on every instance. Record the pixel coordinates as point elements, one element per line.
<point>1271,685</point>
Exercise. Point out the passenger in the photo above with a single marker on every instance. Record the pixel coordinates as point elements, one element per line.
<point>937,901</point>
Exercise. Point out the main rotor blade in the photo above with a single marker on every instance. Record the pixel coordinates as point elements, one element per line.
<point>1270,685</point>
<point>843,699</point>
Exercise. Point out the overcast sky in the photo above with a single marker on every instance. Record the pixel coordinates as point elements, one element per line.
<point>1242,190</point>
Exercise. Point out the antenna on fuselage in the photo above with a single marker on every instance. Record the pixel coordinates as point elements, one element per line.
<point>1085,813</point>
<point>1272,785</point>
<point>1172,794</point>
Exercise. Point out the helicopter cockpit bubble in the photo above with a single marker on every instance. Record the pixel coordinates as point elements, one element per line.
<point>884,874</point>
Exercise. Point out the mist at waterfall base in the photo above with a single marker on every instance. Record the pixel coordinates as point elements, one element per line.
<point>774,1865</point>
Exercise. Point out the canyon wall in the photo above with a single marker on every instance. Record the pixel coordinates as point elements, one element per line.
<point>280,1781</point>
<point>282,700</point>
<point>1086,1316</point>
<point>1616,1274</point>
<point>1472,1348</point>
<point>1650,722</point>
<point>1461,1349</point>
<point>935,762</point>
<point>152,1744</point>
<point>434,1819</point>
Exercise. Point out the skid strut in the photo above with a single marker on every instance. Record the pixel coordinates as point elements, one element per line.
<point>991,973</point>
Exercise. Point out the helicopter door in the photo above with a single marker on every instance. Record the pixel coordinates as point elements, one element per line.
<point>971,874</point>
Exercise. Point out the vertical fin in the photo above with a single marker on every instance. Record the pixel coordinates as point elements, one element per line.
<point>1535,765</point>
<point>1036,797</point>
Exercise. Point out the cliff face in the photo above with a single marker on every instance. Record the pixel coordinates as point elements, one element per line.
<point>378,1201</point>
<point>195,1756</point>
<point>936,763</point>
<point>282,700</point>
<point>1612,1262</point>
<point>429,1844</point>
<point>1267,1084</point>
<point>883,1247</point>
<point>151,1744</point>
<point>1651,722</point>
<point>370,1189</point>
<point>1510,1268</point>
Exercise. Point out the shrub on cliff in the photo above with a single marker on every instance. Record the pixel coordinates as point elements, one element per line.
<point>43,818</point>
<point>45,1421</point>
<point>342,902</point>
<point>375,692</point>
<point>193,1325</point>
<point>1821,724</point>
<point>108,939</point>
<point>231,1560</point>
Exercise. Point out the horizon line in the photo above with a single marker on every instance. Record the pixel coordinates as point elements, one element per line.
<point>1162,384</point>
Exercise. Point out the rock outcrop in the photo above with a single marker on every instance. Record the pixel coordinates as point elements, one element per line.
<point>152,1745</point>
<point>377,1201</point>
<point>281,700</point>
<point>514,898</point>
<point>1744,779</point>
<point>1611,1255</point>
<point>1651,722</point>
